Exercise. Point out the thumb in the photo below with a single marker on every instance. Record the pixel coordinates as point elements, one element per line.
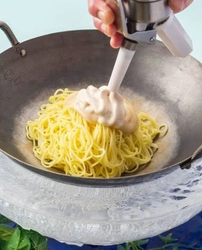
<point>179,5</point>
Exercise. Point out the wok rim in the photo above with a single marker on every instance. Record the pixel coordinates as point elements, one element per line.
<point>95,181</point>
<point>92,181</point>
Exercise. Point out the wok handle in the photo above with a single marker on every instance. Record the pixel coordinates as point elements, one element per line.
<point>196,155</point>
<point>9,33</point>
<point>11,37</point>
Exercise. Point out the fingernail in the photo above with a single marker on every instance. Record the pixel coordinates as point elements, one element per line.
<point>101,16</point>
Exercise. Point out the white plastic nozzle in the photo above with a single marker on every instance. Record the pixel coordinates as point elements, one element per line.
<point>175,37</point>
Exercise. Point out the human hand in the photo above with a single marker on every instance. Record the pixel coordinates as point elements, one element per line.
<point>103,12</point>
<point>179,5</point>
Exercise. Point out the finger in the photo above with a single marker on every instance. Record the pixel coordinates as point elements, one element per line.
<point>116,41</point>
<point>179,5</point>
<point>109,30</point>
<point>100,10</point>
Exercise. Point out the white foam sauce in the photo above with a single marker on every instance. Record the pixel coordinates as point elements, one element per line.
<point>100,105</point>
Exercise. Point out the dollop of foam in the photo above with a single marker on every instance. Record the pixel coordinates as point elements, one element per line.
<point>105,107</point>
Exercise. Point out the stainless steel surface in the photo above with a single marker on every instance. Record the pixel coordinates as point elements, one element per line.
<point>146,11</point>
<point>78,59</point>
<point>130,45</point>
<point>130,28</point>
<point>140,21</point>
<point>136,18</point>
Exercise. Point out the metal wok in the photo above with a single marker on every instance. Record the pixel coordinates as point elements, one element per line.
<point>31,71</point>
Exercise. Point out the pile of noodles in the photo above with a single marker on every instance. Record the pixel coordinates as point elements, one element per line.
<point>62,139</point>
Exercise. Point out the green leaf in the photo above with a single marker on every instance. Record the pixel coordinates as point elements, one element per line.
<point>25,243</point>
<point>38,242</point>
<point>133,246</point>
<point>119,247</point>
<point>13,242</point>
<point>167,239</point>
<point>141,242</point>
<point>6,232</point>
<point>136,244</point>
<point>19,238</point>
<point>175,248</point>
<point>4,220</point>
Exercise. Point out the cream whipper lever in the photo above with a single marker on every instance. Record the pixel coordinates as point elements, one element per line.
<point>141,20</point>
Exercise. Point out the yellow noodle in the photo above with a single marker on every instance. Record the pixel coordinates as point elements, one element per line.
<point>63,139</point>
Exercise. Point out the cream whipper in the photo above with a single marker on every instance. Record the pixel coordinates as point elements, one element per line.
<point>139,22</point>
